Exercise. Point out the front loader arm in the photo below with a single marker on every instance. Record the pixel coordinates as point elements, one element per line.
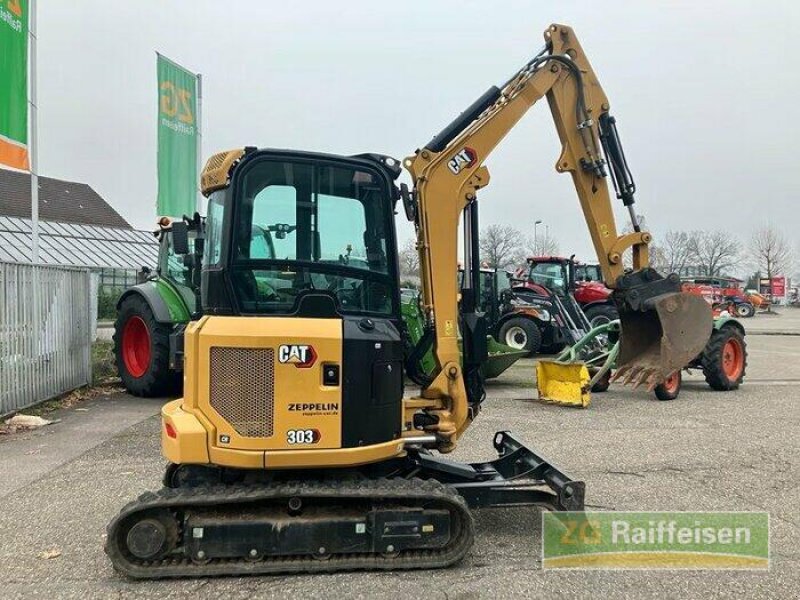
<point>449,170</point>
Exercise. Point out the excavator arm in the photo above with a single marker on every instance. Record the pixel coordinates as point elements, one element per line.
<point>662,329</point>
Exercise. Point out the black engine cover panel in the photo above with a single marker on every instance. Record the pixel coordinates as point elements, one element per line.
<point>372,381</point>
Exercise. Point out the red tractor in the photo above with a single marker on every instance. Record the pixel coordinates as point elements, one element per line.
<point>726,290</point>
<point>588,288</point>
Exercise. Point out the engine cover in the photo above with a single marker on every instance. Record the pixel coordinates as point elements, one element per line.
<point>294,383</point>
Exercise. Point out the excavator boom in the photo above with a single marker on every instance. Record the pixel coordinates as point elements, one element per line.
<point>662,328</point>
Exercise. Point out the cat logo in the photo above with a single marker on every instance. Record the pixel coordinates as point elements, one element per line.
<point>466,157</point>
<point>301,356</point>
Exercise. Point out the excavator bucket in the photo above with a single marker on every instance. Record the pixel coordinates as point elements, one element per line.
<point>664,336</point>
<point>564,383</point>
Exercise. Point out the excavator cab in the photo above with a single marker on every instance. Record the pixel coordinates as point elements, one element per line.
<point>300,298</point>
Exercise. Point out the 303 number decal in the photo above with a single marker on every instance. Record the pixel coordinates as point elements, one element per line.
<point>303,436</point>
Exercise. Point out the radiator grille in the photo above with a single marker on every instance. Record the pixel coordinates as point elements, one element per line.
<point>243,388</point>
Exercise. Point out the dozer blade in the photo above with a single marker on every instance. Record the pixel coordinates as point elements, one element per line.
<point>662,337</point>
<point>565,383</point>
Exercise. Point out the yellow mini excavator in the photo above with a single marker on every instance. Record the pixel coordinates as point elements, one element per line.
<point>293,448</point>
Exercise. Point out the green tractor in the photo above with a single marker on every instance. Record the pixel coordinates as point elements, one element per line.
<point>152,315</point>
<point>419,356</point>
<point>589,366</point>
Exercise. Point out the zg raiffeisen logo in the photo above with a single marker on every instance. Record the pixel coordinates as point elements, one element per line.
<point>301,356</point>
<point>176,102</point>
<point>657,540</point>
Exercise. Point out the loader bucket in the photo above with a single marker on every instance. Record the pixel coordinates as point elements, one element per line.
<point>663,338</point>
<point>565,383</point>
<point>500,358</point>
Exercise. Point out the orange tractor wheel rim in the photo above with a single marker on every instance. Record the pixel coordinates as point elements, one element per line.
<point>136,346</point>
<point>672,382</point>
<point>732,359</point>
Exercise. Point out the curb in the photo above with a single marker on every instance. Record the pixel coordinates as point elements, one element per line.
<point>768,332</point>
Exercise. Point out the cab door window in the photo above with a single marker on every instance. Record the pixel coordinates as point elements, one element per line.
<point>177,270</point>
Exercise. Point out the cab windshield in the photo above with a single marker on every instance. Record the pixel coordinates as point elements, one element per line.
<point>301,226</point>
<point>549,275</point>
<point>588,273</point>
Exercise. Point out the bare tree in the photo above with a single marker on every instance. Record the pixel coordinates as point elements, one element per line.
<point>409,259</point>
<point>659,259</point>
<point>501,246</point>
<point>770,253</point>
<point>543,244</point>
<point>675,252</point>
<point>714,252</point>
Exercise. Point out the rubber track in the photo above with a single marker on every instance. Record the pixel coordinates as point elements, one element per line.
<point>380,491</point>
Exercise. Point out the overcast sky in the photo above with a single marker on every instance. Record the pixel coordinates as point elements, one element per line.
<point>704,94</point>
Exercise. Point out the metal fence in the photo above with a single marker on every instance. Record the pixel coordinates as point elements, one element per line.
<point>46,316</point>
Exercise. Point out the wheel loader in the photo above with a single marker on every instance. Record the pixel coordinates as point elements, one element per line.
<point>293,448</point>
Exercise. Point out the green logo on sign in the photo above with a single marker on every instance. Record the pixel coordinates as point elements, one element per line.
<point>659,540</point>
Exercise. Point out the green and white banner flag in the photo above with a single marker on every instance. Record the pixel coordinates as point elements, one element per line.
<point>14,83</point>
<point>177,139</point>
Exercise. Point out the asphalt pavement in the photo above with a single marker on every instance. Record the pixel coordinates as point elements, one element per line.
<point>704,451</point>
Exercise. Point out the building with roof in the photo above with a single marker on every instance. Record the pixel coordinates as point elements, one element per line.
<point>688,271</point>
<point>77,227</point>
<point>59,200</point>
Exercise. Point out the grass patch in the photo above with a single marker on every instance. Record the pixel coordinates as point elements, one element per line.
<point>104,369</point>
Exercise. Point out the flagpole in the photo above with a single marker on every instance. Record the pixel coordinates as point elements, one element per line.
<point>199,203</point>
<point>33,149</point>
<point>33,146</point>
